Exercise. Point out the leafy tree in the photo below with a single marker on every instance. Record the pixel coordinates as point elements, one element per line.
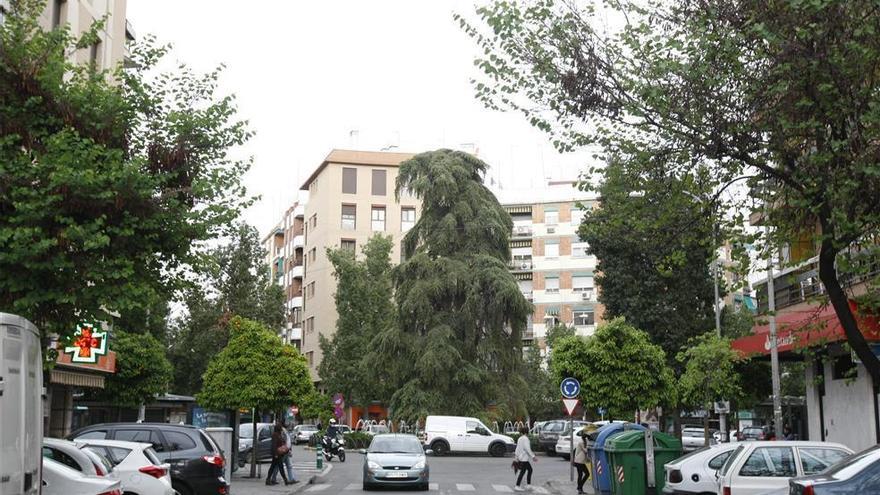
<point>654,249</point>
<point>151,318</point>
<point>255,370</point>
<point>619,367</point>
<point>709,374</point>
<point>557,332</point>
<point>542,394</point>
<point>457,347</point>
<point>142,370</point>
<point>317,406</point>
<point>237,282</point>
<point>736,323</point>
<point>782,92</point>
<point>109,181</point>
<point>364,305</point>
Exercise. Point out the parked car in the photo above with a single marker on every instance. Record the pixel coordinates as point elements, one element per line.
<point>246,442</point>
<point>136,464</point>
<point>376,429</point>
<point>302,433</point>
<point>395,460</point>
<point>757,433</point>
<point>59,479</point>
<point>563,445</point>
<point>343,429</point>
<point>195,459</point>
<point>759,467</point>
<point>859,473</point>
<point>549,432</point>
<point>69,454</point>
<point>693,438</point>
<point>445,434</point>
<point>694,473</point>
<point>732,436</point>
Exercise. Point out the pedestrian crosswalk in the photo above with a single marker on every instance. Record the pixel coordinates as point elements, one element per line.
<point>433,487</point>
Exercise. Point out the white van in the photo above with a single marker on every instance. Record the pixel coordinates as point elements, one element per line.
<point>445,434</point>
<point>21,406</point>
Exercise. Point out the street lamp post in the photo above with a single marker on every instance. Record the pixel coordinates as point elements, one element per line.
<point>715,305</point>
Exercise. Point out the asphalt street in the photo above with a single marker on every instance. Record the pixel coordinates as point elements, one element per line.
<point>455,474</point>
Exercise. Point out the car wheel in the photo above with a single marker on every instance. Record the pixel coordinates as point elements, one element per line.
<point>566,457</point>
<point>497,450</point>
<point>440,448</point>
<point>367,487</point>
<point>180,488</point>
<point>424,487</point>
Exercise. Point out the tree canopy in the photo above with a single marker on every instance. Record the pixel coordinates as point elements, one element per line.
<point>365,308</point>
<point>142,370</point>
<point>709,372</point>
<point>109,181</point>
<point>255,370</point>
<point>782,93</point>
<point>619,367</point>
<point>457,347</point>
<point>654,248</point>
<point>235,282</point>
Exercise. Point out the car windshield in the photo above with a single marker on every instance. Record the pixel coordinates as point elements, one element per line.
<point>688,432</point>
<point>395,445</point>
<point>308,428</point>
<point>848,467</point>
<point>246,431</point>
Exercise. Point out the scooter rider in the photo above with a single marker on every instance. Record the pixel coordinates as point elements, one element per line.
<point>332,430</point>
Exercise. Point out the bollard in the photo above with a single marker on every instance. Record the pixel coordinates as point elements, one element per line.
<point>319,461</point>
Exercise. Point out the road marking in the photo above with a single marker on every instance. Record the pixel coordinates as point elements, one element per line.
<point>502,488</point>
<point>352,486</point>
<point>540,489</point>
<point>465,487</point>
<point>433,486</point>
<point>317,488</point>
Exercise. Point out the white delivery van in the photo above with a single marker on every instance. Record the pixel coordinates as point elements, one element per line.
<point>21,406</point>
<point>445,434</point>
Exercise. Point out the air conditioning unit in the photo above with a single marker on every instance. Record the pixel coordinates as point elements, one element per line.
<point>587,295</point>
<point>525,266</point>
<point>551,230</point>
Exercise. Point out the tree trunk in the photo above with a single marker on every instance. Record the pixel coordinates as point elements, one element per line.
<point>840,302</point>
<point>706,426</point>
<point>254,444</point>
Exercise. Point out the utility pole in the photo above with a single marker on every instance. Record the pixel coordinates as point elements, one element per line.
<point>715,276</point>
<point>774,348</point>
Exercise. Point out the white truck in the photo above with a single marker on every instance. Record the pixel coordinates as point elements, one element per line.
<point>21,406</point>
<point>444,434</point>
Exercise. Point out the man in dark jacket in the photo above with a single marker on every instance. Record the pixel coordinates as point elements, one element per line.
<point>279,450</point>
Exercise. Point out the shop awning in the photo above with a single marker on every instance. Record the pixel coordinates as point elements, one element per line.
<point>551,311</point>
<point>813,326</point>
<point>76,379</point>
<point>519,209</point>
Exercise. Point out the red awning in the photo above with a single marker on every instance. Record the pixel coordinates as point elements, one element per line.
<point>809,327</point>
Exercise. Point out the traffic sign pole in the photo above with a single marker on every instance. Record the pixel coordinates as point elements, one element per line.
<point>571,389</point>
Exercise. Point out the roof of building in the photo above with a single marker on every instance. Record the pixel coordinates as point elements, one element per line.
<point>554,191</point>
<point>354,157</point>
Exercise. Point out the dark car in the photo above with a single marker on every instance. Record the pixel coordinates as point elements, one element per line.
<point>195,459</point>
<point>757,433</point>
<point>246,442</point>
<point>858,473</point>
<point>549,433</point>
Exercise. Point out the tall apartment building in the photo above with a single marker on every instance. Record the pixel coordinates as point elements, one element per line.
<point>284,257</point>
<point>351,198</point>
<point>550,263</point>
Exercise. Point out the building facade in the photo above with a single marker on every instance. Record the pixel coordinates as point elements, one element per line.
<point>551,264</point>
<point>351,198</point>
<point>284,256</point>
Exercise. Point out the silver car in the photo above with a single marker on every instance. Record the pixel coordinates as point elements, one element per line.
<point>395,460</point>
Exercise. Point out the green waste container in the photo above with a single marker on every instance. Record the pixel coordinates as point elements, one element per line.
<point>626,461</point>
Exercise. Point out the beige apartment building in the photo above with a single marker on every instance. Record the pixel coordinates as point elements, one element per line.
<point>552,266</point>
<point>351,198</point>
<point>284,256</point>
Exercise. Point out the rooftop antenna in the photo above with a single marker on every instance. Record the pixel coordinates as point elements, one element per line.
<point>353,138</point>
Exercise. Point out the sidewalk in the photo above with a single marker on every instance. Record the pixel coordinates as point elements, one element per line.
<point>305,472</point>
<point>564,486</point>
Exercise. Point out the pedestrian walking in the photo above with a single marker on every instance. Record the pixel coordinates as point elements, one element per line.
<point>524,458</point>
<point>279,450</point>
<point>288,459</point>
<point>580,459</point>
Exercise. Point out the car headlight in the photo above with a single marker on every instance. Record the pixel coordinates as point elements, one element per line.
<point>419,465</point>
<point>373,465</point>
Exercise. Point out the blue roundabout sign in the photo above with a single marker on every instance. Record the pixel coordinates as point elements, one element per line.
<point>570,388</point>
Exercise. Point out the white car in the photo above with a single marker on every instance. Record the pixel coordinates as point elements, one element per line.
<point>136,464</point>
<point>693,438</point>
<point>77,458</point>
<point>59,479</point>
<point>764,466</point>
<point>376,429</point>
<point>444,434</point>
<point>563,445</point>
<point>695,472</point>
<point>302,433</point>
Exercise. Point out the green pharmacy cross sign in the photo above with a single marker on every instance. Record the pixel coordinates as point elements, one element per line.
<point>89,342</point>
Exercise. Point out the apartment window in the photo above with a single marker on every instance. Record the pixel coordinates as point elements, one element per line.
<point>377,219</point>
<point>579,249</point>
<point>551,285</point>
<point>349,180</point>
<point>583,317</point>
<point>349,212</point>
<point>57,12</point>
<point>551,217</point>
<point>581,283</point>
<point>94,53</point>
<point>348,245</point>
<point>577,215</point>
<point>379,182</point>
<point>407,219</point>
<point>310,356</point>
<point>551,249</point>
<point>313,254</point>
<point>313,187</point>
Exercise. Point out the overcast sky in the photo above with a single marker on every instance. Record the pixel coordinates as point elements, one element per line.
<point>307,73</point>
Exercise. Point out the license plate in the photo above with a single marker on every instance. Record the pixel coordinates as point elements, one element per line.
<point>396,474</point>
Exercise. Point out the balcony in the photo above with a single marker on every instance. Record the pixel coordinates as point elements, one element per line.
<point>295,333</point>
<point>520,265</point>
<point>298,241</point>
<point>522,231</point>
<point>299,211</point>
<point>529,295</point>
<point>297,271</point>
<point>296,302</point>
